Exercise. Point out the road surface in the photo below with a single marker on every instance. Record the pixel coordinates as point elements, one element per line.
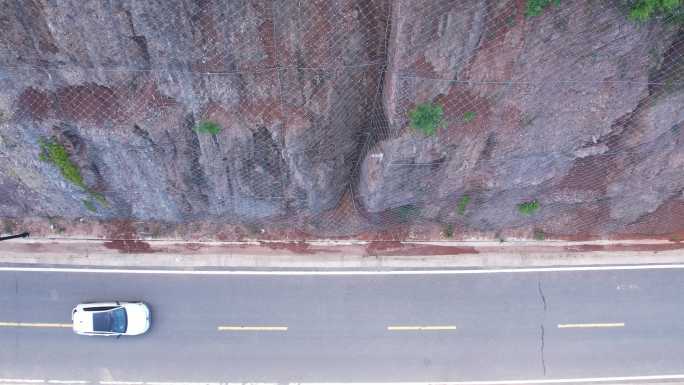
<point>349,328</point>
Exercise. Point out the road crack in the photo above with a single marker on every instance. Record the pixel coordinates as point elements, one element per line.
<point>541,327</point>
<point>541,295</point>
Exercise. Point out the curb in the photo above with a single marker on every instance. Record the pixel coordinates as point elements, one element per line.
<point>324,254</point>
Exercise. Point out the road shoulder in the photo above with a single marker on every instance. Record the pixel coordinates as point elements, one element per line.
<point>327,254</point>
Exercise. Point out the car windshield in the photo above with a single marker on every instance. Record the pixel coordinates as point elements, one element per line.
<point>110,321</point>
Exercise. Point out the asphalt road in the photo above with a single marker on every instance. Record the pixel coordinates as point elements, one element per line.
<point>502,326</point>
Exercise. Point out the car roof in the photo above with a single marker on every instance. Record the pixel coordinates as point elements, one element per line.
<point>102,322</point>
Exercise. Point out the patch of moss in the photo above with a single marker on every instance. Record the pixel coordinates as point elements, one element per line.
<point>54,153</point>
<point>536,7</point>
<point>89,205</point>
<point>208,127</point>
<point>407,212</point>
<point>448,231</point>
<point>462,204</point>
<point>528,208</point>
<point>99,197</point>
<point>468,116</point>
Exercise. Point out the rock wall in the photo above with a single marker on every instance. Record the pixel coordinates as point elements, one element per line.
<point>123,84</point>
<point>570,109</point>
<point>578,110</point>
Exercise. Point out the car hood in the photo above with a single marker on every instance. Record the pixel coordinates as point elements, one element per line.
<point>82,322</point>
<point>138,318</point>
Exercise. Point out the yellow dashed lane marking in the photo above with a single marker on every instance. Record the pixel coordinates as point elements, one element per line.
<point>33,325</point>
<point>252,328</point>
<point>421,328</point>
<point>595,325</point>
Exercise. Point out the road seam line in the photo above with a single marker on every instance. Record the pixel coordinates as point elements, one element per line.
<point>21,380</point>
<point>68,382</point>
<point>591,325</point>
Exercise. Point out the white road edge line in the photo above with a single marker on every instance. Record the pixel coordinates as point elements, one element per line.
<point>512,382</point>
<point>445,271</point>
<point>67,382</point>
<point>499,382</point>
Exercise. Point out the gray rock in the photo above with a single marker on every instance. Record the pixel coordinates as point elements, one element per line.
<point>578,108</point>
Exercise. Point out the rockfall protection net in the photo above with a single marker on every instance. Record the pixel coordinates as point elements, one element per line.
<point>340,117</point>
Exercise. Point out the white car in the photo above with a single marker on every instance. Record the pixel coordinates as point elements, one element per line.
<point>111,318</point>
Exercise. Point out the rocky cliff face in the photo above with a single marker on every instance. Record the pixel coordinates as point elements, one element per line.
<point>577,111</point>
<point>571,109</point>
<point>123,85</point>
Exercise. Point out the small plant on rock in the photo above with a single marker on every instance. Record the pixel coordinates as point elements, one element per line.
<point>407,212</point>
<point>536,7</point>
<point>89,205</point>
<point>528,208</point>
<point>644,10</point>
<point>426,118</point>
<point>468,116</point>
<point>55,153</point>
<point>462,204</point>
<point>208,127</point>
<point>448,231</point>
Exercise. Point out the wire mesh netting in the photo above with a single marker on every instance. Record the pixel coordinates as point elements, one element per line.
<point>342,117</point>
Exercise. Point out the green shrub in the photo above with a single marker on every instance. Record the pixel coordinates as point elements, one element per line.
<point>54,153</point>
<point>448,231</point>
<point>462,203</point>
<point>539,235</point>
<point>426,118</point>
<point>528,208</point>
<point>468,116</point>
<point>536,7</point>
<point>643,10</point>
<point>89,205</point>
<point>208,127</point>
<point>99,197</point>
<point>407,212</point>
